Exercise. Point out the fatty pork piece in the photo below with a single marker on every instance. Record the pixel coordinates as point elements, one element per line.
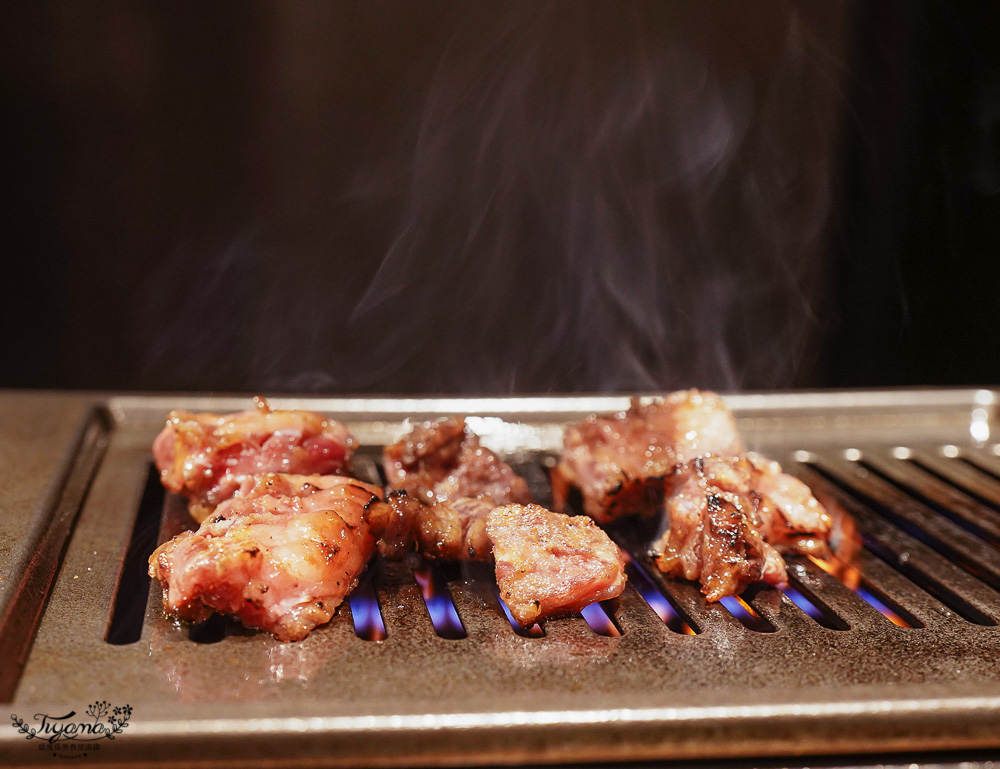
<point>618,461</point>
<point>206,457</point>
<point>443,460</point>
<point>280,555</point>
<point>549,563</point>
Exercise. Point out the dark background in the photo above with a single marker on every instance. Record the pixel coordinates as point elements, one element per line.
<point>499,197</point>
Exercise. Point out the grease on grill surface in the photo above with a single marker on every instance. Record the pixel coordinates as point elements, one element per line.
<point>905,507</point>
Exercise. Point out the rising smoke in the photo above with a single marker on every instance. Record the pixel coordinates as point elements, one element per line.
<point>597,197</point>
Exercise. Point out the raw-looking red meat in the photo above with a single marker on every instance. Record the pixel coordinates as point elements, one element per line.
<point>206,457</point>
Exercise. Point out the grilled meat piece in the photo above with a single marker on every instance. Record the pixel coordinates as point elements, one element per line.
<point>206,457</point>
<point>451,531</point>
<point>549,563</point>
<point>618,461</point>
<point>442,460</point>
<point>455,530</point>
<point>714,535</point>
<point>451,483</point>
<point>728,518</point>
<point>392,523</point>
<point>280,555</point>
<point>792,519</point>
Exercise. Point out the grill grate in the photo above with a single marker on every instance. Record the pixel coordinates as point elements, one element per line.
<point>897,651</point>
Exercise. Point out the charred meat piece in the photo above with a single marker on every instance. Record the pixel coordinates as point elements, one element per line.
<point>714,535</point>
<point>549,563</point>
<point>206,457</point>
<point>729,520</point>
<point>792,519</point>
<point>449,531</point>
<point>618,462</point>
<point>280,555</point>
<point>443,460</point>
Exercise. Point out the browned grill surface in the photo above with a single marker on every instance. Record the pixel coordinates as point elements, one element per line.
<point>918,470</point>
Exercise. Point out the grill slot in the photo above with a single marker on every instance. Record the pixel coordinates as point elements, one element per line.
<point>923,566</point>
<point>704,617</point>
<point>367,466</point>
<point>657,674</point>
<point>841,600</point>
<point>915,478</point>
<point>987,463</point>
<point>661,605</point>
<point>741,608</point>
<point>366,614</point>
<point>478,603</point>
<point>132,594</point>
<point>934,530</point>
<point>434,588</point>
<point>807,599</point>
<point>600,621</point>
<point>897,591</point>
<point>535,631</point>
<point>896,614</point>
<point>23,597</point>
<point>962,473</point>
<point>211,631</point>
<point>402,605</point>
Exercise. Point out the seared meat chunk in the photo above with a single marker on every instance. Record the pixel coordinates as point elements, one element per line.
<point>792,519</point>
<point>451,483</point>
<point>280,555</point>
<point>449,531</point>
<point>206,457</point>
<point>455,530</point>
<point>392,523</point>
<point>728,519</point>
<point>618,462</point>
<point>443,460</point>
<point>549,563</point>
<point>714,534</point>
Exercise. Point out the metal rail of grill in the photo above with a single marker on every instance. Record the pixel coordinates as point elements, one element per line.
<point>422,666</point>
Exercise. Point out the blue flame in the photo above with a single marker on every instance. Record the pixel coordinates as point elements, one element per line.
<point>444,615</point>
<point>599,621</point>
<point>803,602</point>
<point>535,631</point>
<point>368,623</point>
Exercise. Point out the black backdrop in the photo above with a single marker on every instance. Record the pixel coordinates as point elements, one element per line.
<point>398,196</point>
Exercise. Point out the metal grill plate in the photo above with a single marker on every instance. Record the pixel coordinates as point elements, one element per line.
<point>918,470</point>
